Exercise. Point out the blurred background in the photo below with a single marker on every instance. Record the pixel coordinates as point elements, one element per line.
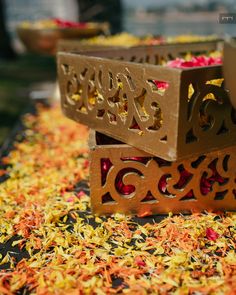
<point>171,17</point>
<point>23,73</point>
<point>139,17</point>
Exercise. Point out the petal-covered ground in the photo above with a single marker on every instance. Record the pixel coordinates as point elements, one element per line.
<point>50,242</point>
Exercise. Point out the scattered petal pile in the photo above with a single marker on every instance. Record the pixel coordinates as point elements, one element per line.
<point>51,243</point>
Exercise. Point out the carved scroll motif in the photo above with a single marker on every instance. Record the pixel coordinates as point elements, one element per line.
<point>209,110</point>
<point>116,98</point>
<point>192,115</point>
<point>121,100</point>
<point>135,184</point>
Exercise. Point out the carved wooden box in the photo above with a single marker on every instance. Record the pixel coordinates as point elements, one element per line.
<point>193,115</point>
<point>78,46</point>
<point>173,50</point>
<point>126,180</point>
<point>230,68</point>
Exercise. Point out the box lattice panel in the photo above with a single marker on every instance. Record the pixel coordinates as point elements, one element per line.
<point>121,99</point>
<point>124,179</point>
<point>155,54</point>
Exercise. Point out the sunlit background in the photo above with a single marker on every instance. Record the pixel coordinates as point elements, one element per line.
<point>173,17</point>
<point>165,17</point>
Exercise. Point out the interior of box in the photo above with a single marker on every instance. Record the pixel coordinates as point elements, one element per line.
<point>155,55</point>
<point>102,139</point>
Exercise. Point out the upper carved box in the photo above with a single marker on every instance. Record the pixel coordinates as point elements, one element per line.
<point>120,93</point>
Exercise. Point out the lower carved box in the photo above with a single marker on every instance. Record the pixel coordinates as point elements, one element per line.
<point>127,180</point>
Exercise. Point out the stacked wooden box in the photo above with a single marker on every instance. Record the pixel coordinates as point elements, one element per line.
<point>153,150</point>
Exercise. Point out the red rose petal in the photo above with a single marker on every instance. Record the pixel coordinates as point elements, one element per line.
<point>139,261</point>
<point>211,234</point>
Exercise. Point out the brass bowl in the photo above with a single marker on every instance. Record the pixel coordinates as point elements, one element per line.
<point>44,40</point>
<point>230,68</point>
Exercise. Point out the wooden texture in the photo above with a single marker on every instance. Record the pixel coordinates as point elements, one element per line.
<point>126,180</point>
<point>193,115</point>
